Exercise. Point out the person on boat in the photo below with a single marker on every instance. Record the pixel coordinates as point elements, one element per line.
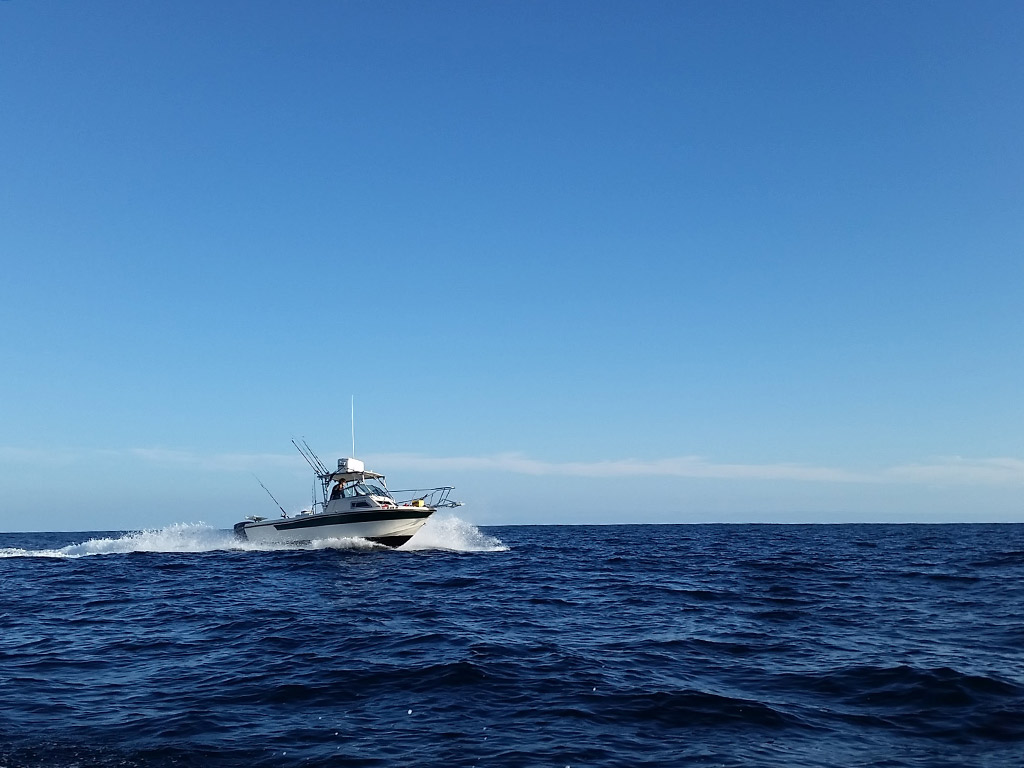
<point>336,492</point>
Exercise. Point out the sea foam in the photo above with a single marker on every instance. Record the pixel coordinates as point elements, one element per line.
<point>453,533</point>
<point>449,533</point>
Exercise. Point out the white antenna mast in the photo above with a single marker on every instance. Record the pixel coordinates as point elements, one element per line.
<point>353,426</point>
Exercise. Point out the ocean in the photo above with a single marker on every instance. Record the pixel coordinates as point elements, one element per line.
<point>637,645</point>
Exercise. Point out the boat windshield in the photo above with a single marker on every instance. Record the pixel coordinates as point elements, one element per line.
<point>364,489</point>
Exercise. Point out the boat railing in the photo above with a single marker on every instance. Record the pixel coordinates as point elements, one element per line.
<point>430,497</point>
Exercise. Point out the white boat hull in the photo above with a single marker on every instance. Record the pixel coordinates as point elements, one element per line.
<point>392,527</point>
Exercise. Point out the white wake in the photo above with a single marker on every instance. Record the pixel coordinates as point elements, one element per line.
<point>453,533</point>
<point>178,537</point>
<point>448,533</point>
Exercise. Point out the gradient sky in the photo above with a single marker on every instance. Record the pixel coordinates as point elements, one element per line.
<point>589,262</point>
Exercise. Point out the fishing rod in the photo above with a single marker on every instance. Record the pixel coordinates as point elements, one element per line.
<point>320,472</point>
<point>311,458</point>
<point>271,495</point>
<point>320,464</point>
<point>306,456</point>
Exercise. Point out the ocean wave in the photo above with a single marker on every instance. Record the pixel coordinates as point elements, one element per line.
<point>938,702</point>
<point>902,685</point>
<point>689,708</point>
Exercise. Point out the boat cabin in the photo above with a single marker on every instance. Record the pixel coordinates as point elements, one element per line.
<point>354,484</point>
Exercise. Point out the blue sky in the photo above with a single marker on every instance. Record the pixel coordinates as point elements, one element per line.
<point>586,261</point>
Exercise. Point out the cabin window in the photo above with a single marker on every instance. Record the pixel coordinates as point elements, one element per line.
<point>376,490</point>
<point>361,489</point>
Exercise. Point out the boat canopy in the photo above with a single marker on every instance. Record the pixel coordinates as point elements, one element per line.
<point>349,470</point>
<point>348,477</point>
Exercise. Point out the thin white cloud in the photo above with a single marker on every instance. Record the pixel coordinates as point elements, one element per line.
<point>956,470</point>
<point>940,471</point>
<point>166,456</point>
<point>228,462</point>
<point>10,454</point>
<point>681,466</point>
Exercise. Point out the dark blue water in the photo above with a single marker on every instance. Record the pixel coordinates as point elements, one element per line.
<point>857,645</point>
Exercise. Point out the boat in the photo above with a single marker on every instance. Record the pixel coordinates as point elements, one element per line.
<point>355,503</point>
